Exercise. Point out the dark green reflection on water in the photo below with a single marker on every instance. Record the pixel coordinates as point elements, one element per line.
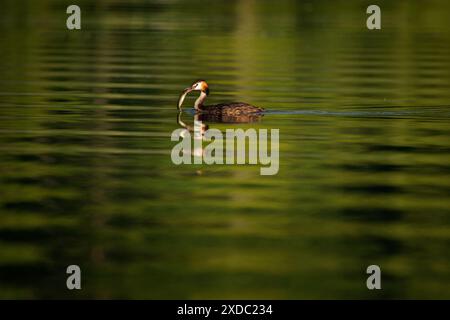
<point>86,176</point>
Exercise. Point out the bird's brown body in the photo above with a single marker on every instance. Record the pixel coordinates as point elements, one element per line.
<point>230,109</point>
<point>234,112</point>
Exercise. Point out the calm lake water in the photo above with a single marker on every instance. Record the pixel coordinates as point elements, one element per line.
<point>87,178</point>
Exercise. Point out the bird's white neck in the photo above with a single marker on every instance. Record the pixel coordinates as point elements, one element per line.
<point>199,102</point>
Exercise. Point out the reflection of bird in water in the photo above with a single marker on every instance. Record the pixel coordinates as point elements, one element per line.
<point>233,112</point>
<point>199,133</point>
<point>189,128</point>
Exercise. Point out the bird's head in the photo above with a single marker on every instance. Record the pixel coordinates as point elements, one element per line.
<point>199,85</point>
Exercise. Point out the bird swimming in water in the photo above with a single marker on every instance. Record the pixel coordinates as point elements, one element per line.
<point>232,110</point>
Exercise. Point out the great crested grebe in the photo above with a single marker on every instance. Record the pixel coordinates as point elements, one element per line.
<point>223,110</point>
